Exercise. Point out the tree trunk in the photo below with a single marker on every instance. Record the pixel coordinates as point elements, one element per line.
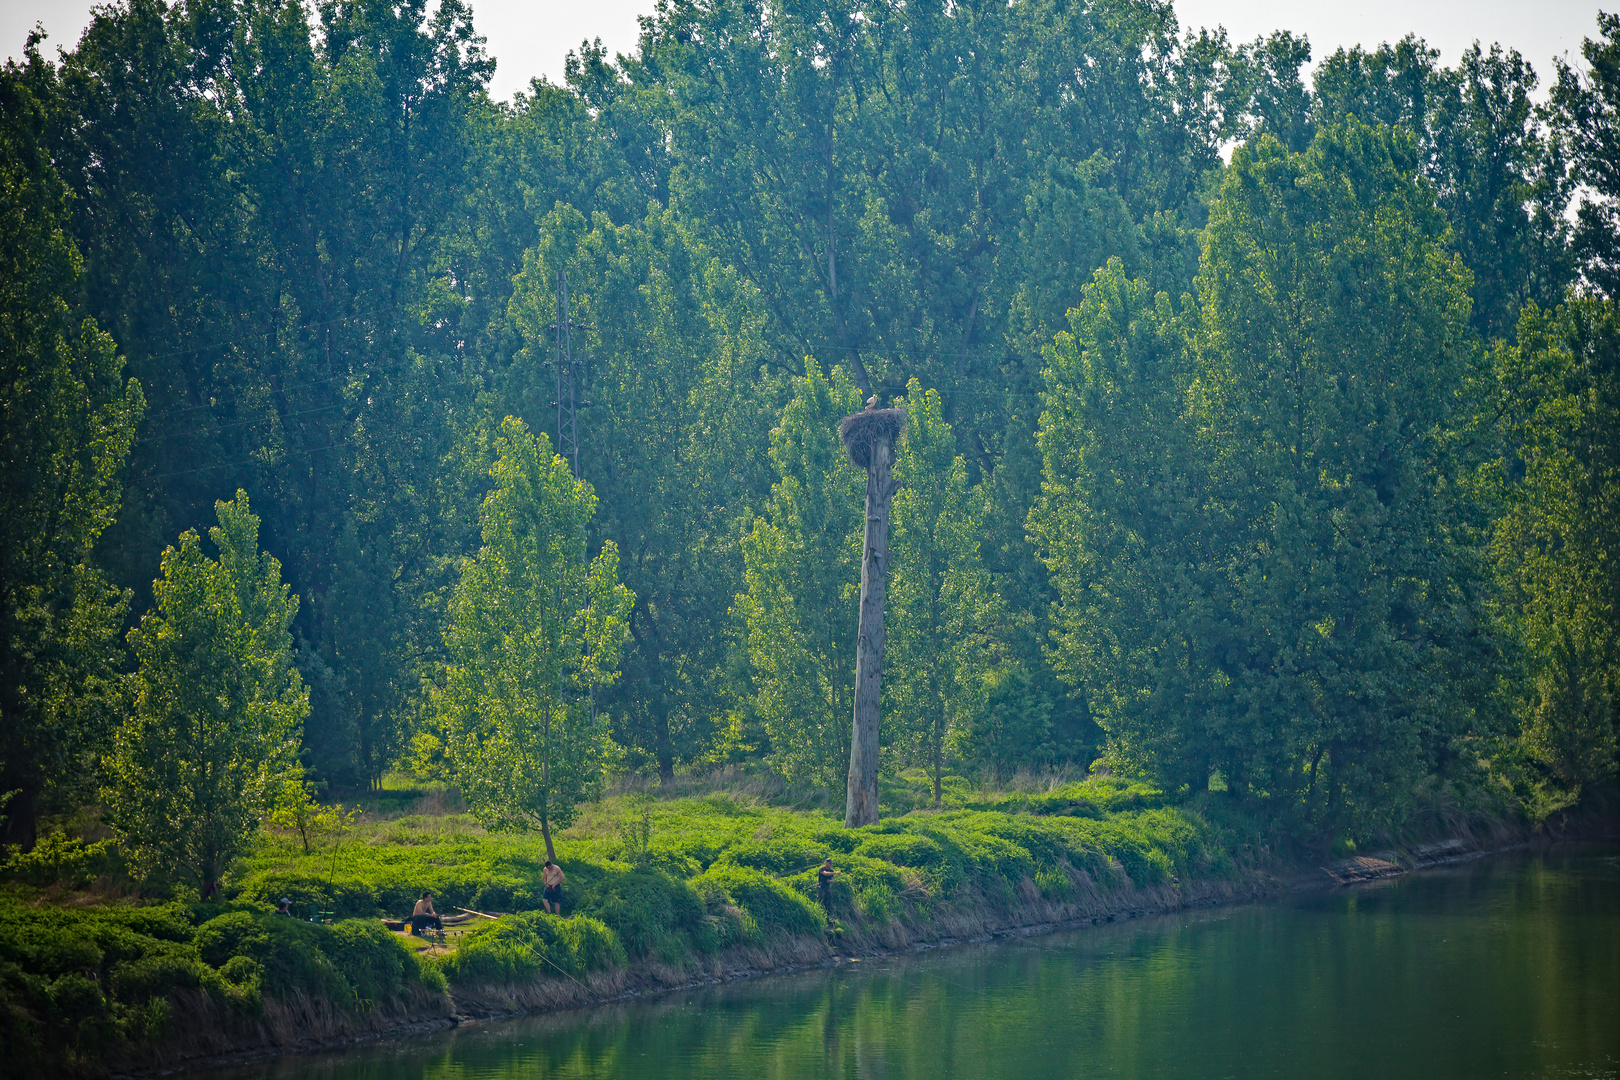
<point>861,804</point>
<point>937,756</point>
<point>545,831</point>
<point>663,748</point>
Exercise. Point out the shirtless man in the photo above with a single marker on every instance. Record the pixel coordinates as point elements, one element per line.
<point>423,914</point>
<point>552,878</point>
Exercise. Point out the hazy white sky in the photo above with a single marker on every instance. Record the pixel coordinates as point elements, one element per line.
<point>530,38</point>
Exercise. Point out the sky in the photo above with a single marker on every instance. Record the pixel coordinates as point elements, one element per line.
<point>531,38</point>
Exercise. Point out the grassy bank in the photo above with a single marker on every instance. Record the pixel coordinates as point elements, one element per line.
<point>87,988</point>
<point>660,891</point>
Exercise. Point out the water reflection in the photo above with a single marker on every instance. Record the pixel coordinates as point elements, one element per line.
<point>1503,968</point>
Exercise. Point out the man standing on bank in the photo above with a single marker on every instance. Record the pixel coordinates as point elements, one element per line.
<point>824,879</point>
<point>552,878</point>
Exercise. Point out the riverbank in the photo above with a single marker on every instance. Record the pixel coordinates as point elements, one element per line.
<point>661,895</point>
<point>1495,965</point>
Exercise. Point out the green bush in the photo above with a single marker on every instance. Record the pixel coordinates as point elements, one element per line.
<point>653,913</point>
<point>529,946</point>
<point>59,859</point>
<point>772,908</point>
<point>353,964</point>
<point>903,849</point>
<point>1096,797</point>
<point>781,856</point>
<point>78,984</point>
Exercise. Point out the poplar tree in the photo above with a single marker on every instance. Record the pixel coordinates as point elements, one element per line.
<point>1585,113</point>
<point>942,609</point>
<point>67,421</point>
<point>218,705</point>
<point>534,629</point>
<point>1557,542</point>
<point>802,562</point>
<point>671,365</point>
<point>1270,568</point>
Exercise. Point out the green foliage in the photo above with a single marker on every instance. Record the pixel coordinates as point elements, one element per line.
<point>769,909</point>
<point>1585,113</point>
<point>527,947</point>
<point>802,576</point>
<point>1094,798</point>
<point>1254,511</point>
<point>678,405</point>
<point>293,807</point>
<point>636,831</point>
<point>1557,541</point>
<point>943,614</point>
<point>651,913</point>
<point>59,859</point>
<point>67,422</point>
<point>1494,167</point>
<point>534,629</point>
<point>352,965</point>
<point>80,986</point>
<point>217,707</point>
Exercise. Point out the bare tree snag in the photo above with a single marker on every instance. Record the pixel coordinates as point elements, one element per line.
<point>870,437</point>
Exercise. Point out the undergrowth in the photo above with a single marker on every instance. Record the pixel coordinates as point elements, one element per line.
<point>82,985</point>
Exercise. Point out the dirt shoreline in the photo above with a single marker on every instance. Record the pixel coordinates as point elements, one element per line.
<point>1034,918</point>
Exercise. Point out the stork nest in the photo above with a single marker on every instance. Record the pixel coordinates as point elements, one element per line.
<point>861,430</point>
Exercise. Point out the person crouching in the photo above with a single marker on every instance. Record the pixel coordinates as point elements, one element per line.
<point>423,915</point>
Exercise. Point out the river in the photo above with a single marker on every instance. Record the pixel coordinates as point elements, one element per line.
<point>1502,967</point>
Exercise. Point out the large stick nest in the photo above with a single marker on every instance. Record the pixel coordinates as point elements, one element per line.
<point>860,431</point>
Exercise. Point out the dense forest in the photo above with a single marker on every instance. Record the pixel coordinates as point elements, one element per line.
<point>1263,433</point>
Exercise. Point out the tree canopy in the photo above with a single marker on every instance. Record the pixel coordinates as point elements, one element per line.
<point>217,707</point>
<point>534,630</point>
<point>1260,434</point>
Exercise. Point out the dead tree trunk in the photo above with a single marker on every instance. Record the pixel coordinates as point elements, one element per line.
<point>870,437</point>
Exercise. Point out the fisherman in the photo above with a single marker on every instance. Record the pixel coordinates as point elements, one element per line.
<point>285,907</point>
<point>824,879</point>
<point>423,915</point>
<point>552,879</point>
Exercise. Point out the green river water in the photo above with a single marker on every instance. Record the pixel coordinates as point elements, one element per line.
<point>1503,967</point>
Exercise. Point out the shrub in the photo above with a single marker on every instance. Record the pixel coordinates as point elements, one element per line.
<point>652,913</point>
<point>374,963</point>
<point>781,856</point>
<point>529,946</point>
<point>773,909</point>
<point>61,860</point>
<point>78,984</point>
<point>353,963</point>
<point>903,849</point>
